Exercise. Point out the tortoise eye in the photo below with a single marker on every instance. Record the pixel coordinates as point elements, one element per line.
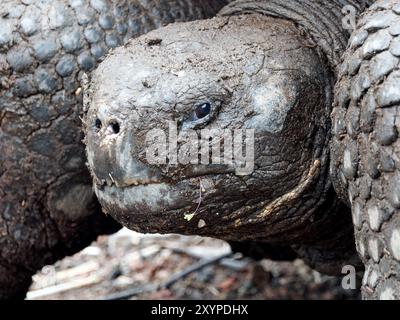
<point>201,111</point>
<point>97,123</point>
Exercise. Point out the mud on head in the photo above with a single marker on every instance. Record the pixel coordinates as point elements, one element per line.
<point>238,73</point>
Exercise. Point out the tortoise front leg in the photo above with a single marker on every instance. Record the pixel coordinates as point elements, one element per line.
<point>366,145</point>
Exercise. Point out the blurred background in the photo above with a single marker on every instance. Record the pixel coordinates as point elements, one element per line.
<point>130,265</point>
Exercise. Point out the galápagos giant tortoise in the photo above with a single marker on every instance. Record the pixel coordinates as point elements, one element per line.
<point>268,66</point>
<point>47,206</point>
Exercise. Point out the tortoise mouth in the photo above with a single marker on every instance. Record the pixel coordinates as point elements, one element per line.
<point>195,171</point>
<point>145,207</point>
<point>166,206</point>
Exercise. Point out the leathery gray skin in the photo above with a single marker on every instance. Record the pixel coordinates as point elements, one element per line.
<point>366,147</point>
<point>47,206</point>
<point>258,70</point>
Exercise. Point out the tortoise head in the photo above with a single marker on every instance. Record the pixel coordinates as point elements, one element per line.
<point>216,127</point>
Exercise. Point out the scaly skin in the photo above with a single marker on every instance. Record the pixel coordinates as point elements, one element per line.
<point>47,207</point>
<point>366,145</point>
<point>271,76</point>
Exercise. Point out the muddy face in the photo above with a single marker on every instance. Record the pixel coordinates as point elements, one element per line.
<point>214,128</point>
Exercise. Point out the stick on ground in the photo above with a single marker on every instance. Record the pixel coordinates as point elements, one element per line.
<point>167,284</point>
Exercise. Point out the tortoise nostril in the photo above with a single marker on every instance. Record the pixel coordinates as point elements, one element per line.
<point>114,126</point>
<point>97,123</point>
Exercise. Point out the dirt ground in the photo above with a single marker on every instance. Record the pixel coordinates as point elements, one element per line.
<point>130,265</point>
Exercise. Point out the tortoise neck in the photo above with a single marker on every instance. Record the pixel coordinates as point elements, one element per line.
<point>328,23</point>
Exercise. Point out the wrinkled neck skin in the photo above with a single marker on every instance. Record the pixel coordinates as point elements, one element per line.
<point>255,72</point>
